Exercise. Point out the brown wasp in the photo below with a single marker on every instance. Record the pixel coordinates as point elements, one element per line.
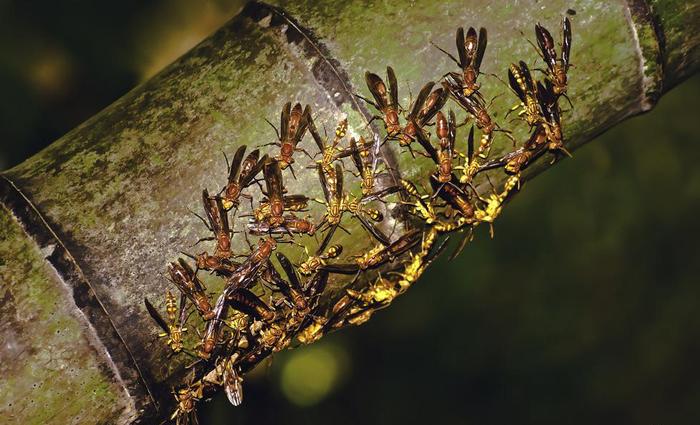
<point>293,124</point>
<point>274,185</point>
<point>377,256</point>
<point>269,218</point>
<point>315,262</point>
<point>189,284</point>
<point>470,50</point>
<point>524,87</point>
<point>212,329</point>
<point>241,175</point>
<point>246,273</point>
<point>292,291</point>
<point>247,302</point>
<point>291,203</point>
<point>475,107</point>
<point>173,328</point>
<point>518,160</point>
<point>218,224</point>
<point>551,117</point>
<point>290,288</point>
<point>290,225</point>
<point>386,102</point>
<point>187,398</point>
<point>446,132</point>
<point>243,276</point>
<point>453,195</point>
<point>558,67</point>
<point>425,107</point>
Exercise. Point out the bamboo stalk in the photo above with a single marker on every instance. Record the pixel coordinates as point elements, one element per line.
<point>89,223</point>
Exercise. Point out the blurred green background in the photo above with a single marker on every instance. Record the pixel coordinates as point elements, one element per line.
<point>581,310</point>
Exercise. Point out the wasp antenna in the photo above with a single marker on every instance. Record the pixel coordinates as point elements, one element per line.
<point>275,128</point>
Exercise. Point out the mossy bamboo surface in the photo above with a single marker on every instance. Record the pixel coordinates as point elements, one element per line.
<point>89,223</point>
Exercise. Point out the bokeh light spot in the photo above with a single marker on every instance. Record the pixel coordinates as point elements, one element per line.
<point>312,373</point>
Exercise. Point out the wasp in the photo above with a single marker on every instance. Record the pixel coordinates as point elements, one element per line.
<point>375,296</point>
<point>274,185</point>
<point>329,152</point>
<point>241,175</point>
<point>377,256</point>
<point>290,202</point>
<point>292,291</point>
<point>187,398</point>
<point>551,117</point>
<point>292,288</point>
<point>311,328</point>
<point>494,203</point>
<point>232,382</point>
<point>420,208</point>
<point>293,125</point>
<point>212,329</point>
<point>333,193</point>
<point>362,145</point>
<point>558,67</point>
<point>523,85</point>
<point>360,305</point>
<point>365,163</point>
<point>315,262</point>
<point>173,328</point>
<point>379,294</point>
<point>454,196</point>
<point>274,337</point>
<point>446,132</point>
<point>290,225</point>
<point>424,108</point>
<point>470,50</point>
<point>243,276</point>
<point>313,331</point>
<point>272,210</point>
<point>247,272</point>
<point>417,264</point>
<point>218,224</point>
<point>189,284</point>
<point>386,102</point>
<point>340,313</point>
<point>476,108</point>
<point>247,302</point>
<point>516,161</point>
<point>338,202</point>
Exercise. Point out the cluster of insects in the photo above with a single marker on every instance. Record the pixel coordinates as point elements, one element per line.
<point>268,301</point>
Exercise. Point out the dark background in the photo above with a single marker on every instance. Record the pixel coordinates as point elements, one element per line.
<point>581,310</point>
